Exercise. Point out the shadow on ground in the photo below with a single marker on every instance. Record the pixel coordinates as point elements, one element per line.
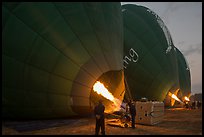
<point>38,124</point>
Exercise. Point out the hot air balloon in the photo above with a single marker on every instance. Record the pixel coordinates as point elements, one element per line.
<point>54,52</point>
<point>184,74</point>
<point>151,64</point>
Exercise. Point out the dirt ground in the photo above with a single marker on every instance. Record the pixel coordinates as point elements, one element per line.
<point>175,122</point>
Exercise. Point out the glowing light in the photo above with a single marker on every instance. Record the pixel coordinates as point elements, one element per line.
<point>186,98</point>
<point>175,97</point>
<point>100,89</point>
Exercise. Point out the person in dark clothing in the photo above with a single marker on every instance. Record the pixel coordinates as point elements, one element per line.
<point>198,104</point>
<point>99,114</point>
<point>186,104</point>
<point>193,105</point>
<point>132,110</point>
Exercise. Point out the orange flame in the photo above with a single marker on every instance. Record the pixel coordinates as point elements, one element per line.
<point>100,89</point>
<point>175,97</point>
<point>186,98</point>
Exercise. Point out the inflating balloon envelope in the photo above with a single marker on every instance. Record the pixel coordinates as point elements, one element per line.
<point>56,55</point>
<point>53,53</point>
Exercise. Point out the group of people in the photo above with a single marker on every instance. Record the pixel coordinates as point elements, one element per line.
<point>193,105</point>
<point>100,117</point>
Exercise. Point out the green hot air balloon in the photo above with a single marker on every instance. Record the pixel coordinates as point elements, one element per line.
<point>184,74</point>
<point>151,63</point>
<point>54,52</point>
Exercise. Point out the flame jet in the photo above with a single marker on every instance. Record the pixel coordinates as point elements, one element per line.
<point>102,90</point>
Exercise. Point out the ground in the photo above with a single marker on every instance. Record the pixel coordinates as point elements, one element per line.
<point>176,122</point>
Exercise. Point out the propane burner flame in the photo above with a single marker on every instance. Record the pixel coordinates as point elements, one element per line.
<point>100,89</point>
<point>186,98</point>
<point>175,97</point>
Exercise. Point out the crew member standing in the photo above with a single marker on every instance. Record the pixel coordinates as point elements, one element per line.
<point>99,114</point>
<point>132,110</point>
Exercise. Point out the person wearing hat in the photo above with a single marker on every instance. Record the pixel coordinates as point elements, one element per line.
<point>100,118</point>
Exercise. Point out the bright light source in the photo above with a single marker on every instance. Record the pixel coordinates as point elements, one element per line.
<point>100,89</point>
<point>186,98</point>
<point>175,97</point>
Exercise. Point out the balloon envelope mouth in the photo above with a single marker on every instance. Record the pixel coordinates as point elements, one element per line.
<point>109,88</point>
